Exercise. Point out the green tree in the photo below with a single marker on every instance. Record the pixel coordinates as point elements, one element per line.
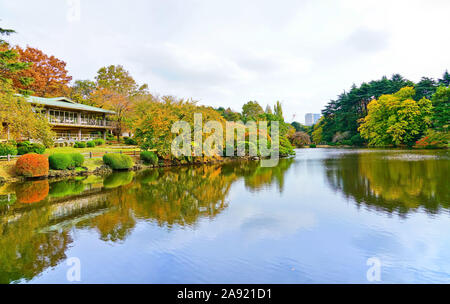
<point>396,119</point>
<point>445,80</point>
<point>441,109</point>
<point>251,110</point>
<point>278,111</point>
<point>82,90</point>
<point>425,88</point>
<point>10,64</point>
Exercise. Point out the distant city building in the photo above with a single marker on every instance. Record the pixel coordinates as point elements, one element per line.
<point>311,119</point>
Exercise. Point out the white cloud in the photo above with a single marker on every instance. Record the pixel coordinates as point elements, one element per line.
<point>302,53</point>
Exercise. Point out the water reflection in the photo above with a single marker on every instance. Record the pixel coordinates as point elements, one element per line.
<point>38,219</point>
<point>399,183</point>
<point>35,216</point>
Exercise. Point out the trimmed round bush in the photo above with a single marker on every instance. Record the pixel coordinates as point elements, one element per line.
<point>7,148</point>
<point>118,161</point>
<point>99,141</point>
<point>90,144</point>
<point>60,161</point>
<point>77,160</point>
<point>79,144</point>
<point>32,165</point>
<point>149,157</point>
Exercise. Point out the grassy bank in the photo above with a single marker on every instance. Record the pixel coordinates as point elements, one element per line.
<point>7,168</point>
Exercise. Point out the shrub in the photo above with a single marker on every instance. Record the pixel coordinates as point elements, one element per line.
<point>312,146</point>
<point>7,148</point>
<point>300,139</point>
<point>149,157</point>
<point>77,160</point>
<point>90,144</point>
<point>346,142</point>
<point>79,144</point>
<point>433,139</point>
<point>60,161</point>
<point>357,140</point>
<point>130,141</point>
<point>27,147</point>
<point>118,161</point>
<point>32,165</point>
<point>99,141</point>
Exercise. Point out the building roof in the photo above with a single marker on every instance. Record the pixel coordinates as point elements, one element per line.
<point>64,102</point>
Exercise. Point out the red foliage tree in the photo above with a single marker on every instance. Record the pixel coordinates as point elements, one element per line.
<point>49,74</point>
<point>32,165</point>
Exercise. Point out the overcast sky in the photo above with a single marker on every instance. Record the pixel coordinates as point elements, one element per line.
<point>225,53</point>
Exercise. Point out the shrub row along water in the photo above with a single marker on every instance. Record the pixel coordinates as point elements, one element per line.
<point>63,161</point>
<point>118,161</point>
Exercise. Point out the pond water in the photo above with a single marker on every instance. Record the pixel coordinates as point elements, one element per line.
<point>315,218</point>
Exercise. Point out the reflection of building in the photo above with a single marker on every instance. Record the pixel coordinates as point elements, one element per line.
<point>311,119</point>
<point>73,121</point>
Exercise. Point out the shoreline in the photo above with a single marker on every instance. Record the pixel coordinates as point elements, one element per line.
<point>104,170</point>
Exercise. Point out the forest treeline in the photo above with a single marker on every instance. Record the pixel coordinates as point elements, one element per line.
<point>388,112</point>
<point>148,117</point>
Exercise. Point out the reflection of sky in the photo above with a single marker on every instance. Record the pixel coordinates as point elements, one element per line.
<point>307,234</point>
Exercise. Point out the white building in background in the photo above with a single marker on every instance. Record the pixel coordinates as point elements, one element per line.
<point>311,118</point>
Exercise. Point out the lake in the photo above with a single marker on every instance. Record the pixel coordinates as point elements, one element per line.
<point>316,218</point>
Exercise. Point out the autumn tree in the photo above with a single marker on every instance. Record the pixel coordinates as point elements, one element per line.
<point>251,110</point>
<point>49,74</point>
<point>119,80</point>
<point>116,90</point>
<point>119,103</point>
<point>395,119</point>
<point>21,120</point>
<point>300,139</point>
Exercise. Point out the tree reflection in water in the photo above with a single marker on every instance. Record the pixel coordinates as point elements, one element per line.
<point>391,184</point>
<point>35,217</point>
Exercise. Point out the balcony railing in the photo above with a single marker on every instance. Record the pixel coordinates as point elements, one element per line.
<point>65,137</point>
<point>82,122</point>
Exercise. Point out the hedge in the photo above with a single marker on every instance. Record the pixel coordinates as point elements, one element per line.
<point>118,161</point>
<point>63,161</point>
<point>6,148</point>
<point>99,141</point>
<point>60,161</point>
<point>79,144</point>
<point>32,165</point>
<point>149,157</point>
<point>90,144</point>
<point>77,160</point>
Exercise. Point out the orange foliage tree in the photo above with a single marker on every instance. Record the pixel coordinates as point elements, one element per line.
<point>32,165</point>
<point>49,74</point>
